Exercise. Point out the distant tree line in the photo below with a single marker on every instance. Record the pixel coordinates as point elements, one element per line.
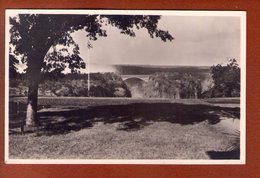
<point>101,85</point>
<point>225,83</point>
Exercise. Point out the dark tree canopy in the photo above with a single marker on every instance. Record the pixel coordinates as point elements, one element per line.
<point>32,36</point>
<point>226,79</point>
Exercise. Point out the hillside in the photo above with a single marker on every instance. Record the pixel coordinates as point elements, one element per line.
<point>151,69</point>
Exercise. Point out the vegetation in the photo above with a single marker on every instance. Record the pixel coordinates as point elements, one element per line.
<point>226,80</point>
<point>160,85</point>
<point>220,81</point>
<point>173,85</point>
<point>101,85</point>
<point>35,37</point>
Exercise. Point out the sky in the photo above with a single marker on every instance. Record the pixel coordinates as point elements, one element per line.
<point>199,41</point>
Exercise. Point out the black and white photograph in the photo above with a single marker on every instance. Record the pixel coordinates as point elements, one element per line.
<point>125,87</point>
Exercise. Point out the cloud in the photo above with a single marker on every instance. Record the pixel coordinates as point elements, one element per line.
<point>198,41</point>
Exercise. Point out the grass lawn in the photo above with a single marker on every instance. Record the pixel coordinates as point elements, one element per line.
<point>130,131</point>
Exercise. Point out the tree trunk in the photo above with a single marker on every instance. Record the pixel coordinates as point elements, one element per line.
<point>195,93</point>
<point>31,114</point>
<point>35,64</point>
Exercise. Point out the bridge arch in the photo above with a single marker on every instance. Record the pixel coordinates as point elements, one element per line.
<point>134,79</point>
<point>135,85</point>
<point>145,78</point>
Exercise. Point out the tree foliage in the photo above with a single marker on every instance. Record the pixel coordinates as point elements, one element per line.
<point>226,79</point>
<point>173,85</point>
<point>159,85</point>
<point>33,35</point>
<point>190,86</point>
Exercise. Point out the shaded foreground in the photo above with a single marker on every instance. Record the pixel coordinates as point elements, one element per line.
<point>130,131</point>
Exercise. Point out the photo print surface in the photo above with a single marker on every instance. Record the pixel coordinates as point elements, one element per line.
<point>125,87</point>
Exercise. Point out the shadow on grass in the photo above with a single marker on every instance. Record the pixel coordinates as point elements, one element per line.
<point>233,154</point>
<point>131,117</point>
<point>233,149</point>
